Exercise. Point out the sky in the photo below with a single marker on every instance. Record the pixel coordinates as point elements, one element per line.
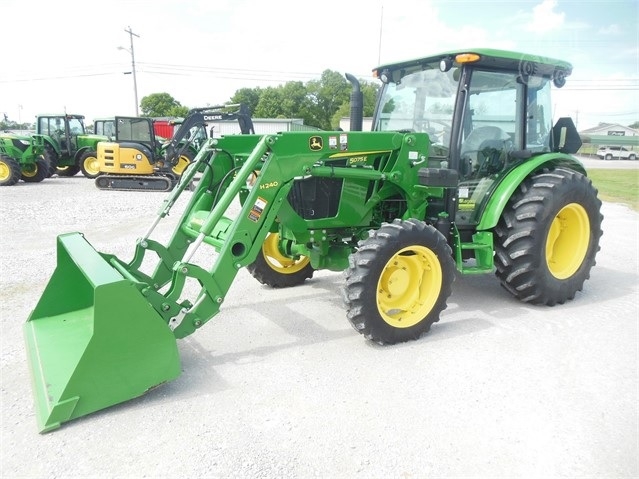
<point>202,51</point>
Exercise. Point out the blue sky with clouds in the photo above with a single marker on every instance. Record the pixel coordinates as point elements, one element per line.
<point>202,51</point>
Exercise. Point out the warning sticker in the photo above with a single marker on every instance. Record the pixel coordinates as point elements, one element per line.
<point>258,208</point>
<point>343,142</point>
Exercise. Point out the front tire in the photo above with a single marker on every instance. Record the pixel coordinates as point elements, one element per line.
<point>36,172</point>
<point>548,237</point>
<point>9,171</point>
<point>278,269</point>
<point>89,164</point>
<point>398,281</point>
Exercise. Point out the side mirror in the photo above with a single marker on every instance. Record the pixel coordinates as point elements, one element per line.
<point>565,137</point>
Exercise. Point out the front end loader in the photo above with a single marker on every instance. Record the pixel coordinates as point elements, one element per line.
<point>464,172</point>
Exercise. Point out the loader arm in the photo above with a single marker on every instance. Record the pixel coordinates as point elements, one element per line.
<point>277,162</point>
<point>104,330</point>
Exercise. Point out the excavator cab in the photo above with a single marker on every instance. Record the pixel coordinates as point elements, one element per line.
<point>136,160</point>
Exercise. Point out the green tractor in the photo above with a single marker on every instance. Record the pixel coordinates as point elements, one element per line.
<point>68,148</point>
<point>22,158</point>
<point>463,173</point>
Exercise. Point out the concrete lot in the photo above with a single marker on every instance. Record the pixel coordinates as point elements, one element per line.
<point>278,385</point>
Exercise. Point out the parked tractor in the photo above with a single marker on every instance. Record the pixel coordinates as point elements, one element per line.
<point>67,145</point>
<point>22,158</point>
<point>139,160</point>
<point>464,173</point>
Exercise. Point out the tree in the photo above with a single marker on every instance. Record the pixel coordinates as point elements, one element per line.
<point>162,104</point>
<point>247,96</point>
<point>321,103</point>
<point>7,124</point>
<point>285,101</point>
<point>635,125</point>
<point>326,95</point>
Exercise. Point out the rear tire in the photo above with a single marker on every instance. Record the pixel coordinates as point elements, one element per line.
<point>89,164</point>
<point>67,171</point>
<point>398,281</point>
<point>52,158</point>
<point>548,237</point>
<point>36,172</point>
<point>277,269</point>
<point>9,171</point>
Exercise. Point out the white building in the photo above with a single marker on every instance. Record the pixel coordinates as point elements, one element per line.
<point>262,126</point>
<point>611,134</point>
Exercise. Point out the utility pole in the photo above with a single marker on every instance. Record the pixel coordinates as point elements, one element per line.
<point>135,81</point>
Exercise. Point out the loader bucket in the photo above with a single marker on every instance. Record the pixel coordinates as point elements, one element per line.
<point>93,340</point>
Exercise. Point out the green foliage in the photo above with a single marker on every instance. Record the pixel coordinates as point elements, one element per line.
<point>162,104</point>
<point>326,96</point>
<point>247,96</point>
<point>320,103</point>
<point>635,125</point>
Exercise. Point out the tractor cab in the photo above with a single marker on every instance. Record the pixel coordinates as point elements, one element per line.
<point>63,130</point>
<point>69,149</point>
<point>485,112</point>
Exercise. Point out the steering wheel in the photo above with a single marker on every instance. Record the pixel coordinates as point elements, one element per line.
<point>479,135</point>
<point>475,142</point>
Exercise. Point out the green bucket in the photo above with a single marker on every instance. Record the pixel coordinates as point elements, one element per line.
<point>93,340</point>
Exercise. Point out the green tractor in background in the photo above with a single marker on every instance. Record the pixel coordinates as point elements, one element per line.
<point>464,173</point>
<point>68,148</point>
<point>22,158</point>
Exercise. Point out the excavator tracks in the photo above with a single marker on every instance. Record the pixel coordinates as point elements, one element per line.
<point>135,183</point>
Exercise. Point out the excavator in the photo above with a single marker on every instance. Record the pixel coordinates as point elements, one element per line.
<point>463,173</point>
<point>136,160</point>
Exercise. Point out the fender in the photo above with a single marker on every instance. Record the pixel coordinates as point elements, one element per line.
<point>48,140</point>
<point>80,152</point>
<point>498,200</point>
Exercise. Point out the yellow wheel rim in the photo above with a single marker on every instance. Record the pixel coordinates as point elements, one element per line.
<point>279,262</point>
<point>5,171</point>
<point>29,171</point>
<point>181,165</point>
<point>92,165</point>
<point>409,286</point>
<point>568,240</point>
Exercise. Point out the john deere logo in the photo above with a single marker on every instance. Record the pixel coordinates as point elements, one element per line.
<point>315,143</point>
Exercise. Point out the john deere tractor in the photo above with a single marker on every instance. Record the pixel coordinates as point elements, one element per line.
<point>22,158</point>
<point>68,148</point>
<point>464,172</point>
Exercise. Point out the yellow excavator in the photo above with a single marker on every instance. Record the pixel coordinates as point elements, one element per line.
<point>137,160</point>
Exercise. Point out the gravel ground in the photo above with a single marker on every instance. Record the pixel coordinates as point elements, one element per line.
<point>278,385</point>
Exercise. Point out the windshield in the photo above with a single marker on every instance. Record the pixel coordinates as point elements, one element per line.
<point>422,101</point>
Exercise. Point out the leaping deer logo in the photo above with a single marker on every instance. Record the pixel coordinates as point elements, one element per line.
<point>315,143</point>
